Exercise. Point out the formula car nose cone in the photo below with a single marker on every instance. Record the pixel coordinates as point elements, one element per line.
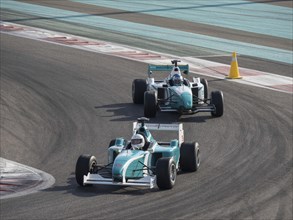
<point>186,100</point>
<point>117,169</point>
<point>128,164</point>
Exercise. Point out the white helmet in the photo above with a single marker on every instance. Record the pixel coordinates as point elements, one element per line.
<point>137,141</point>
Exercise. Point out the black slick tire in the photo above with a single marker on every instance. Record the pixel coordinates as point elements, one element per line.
<point>150,104</point>
<point>84,165</point>
<point>166,173</point>
<point>217,99</point>
<point>189,157</point>
<point>138,89</point>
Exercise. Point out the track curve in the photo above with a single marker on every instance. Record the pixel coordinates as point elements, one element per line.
<point>56,105</point>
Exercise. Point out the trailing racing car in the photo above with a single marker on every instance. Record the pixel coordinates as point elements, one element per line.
<point>142,161</point>
<point>175,93</point>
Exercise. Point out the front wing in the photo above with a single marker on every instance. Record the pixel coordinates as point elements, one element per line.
<point>207,108</point>
<point>147,181</point>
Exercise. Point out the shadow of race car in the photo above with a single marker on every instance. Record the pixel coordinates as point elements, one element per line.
<point>175,93</point>
<point>155,163</point>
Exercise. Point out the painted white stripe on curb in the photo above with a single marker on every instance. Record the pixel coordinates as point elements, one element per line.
<point>198,66</point>
<point>17,179</point>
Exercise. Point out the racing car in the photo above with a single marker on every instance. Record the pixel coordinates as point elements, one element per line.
<point>175,93</point>
<point>143,161</point>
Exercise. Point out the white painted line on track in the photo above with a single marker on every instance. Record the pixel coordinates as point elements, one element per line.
<point>197,65</point>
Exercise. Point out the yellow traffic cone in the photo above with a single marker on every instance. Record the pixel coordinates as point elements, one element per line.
<point>234,70</point>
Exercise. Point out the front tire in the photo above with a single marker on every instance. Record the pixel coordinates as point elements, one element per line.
<point>138,89</point>
<point>166,173</point>
<point>150,104</point>
<point>84,165</point>
<point>217,99</point>
<point>189,157</point>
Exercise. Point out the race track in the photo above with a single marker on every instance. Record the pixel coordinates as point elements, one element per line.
<point>59,102</point>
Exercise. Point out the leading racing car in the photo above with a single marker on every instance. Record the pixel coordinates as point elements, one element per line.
<point>175,93</point>
<point>143,161</point>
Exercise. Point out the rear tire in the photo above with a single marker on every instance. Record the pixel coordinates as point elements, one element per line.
<point>138,89</point>
<point>150,104</point>
<point>166,173</point>
<point>84,165</point>
<point>189,157</point>
<point>217,99</point>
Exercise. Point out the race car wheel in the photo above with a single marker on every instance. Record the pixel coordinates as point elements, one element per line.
<point>205,86</point>
<point>150,104</point>
<point>84,165</point>
<point>189,157</point>
<point>166,173</point>
<point>138,89</point>
<point>217,99</point>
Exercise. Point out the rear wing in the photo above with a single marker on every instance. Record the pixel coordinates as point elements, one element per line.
<point>151,68</point>
<point>162,127</point>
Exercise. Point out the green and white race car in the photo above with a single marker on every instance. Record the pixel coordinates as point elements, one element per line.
<point>175,93</point>
<point>143,161</point>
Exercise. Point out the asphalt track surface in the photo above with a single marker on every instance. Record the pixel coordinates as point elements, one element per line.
<point>56,105</point>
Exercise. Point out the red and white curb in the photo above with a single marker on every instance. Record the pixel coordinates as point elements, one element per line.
<point>18,180</point>
<point>197,66</point>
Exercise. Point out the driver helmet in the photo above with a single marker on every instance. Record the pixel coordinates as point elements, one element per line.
<point>177,80</point>
<point>137,141</point>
